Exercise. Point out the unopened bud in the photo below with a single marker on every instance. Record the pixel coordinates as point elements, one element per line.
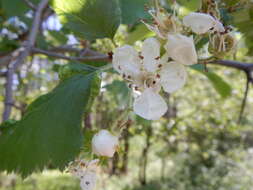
<point>104,143</point>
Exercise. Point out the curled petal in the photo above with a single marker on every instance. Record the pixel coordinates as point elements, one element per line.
<point>126,60</point>
<point>150,105</point>
<point>150,53</point>
<point>200,23</point>
<point>173,76</point>
<point>181,48</point>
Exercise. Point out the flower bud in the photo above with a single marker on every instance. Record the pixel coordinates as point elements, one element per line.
<point>104,143</point>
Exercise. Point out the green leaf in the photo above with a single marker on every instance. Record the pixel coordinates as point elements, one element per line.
<point>133,10</point>
<point>71,69</point>
<point>120,92</point>
<point>89,19</point>
<point>221,86</point>
<point>190,5</point>
<point>243,20</point>
<point>15,7</point>
<point>50,131</point>
<point>202,42</point>
<point>198,67</point>
<point>57,38</point>
<point>139,33</point>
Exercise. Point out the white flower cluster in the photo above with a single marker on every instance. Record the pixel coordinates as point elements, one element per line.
<point>86,172</point>
<point>147,71</point>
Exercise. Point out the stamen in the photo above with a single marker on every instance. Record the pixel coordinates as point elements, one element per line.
<point>158,76</point>
<point>141,57</point>
<point>160,65</point>
<point>157,58</point>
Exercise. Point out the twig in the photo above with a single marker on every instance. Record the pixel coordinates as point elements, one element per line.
<point>247,67</point>
<point>23,52</point>
<point>8,94</point>
<point>244,100</point>
<point>93,58</point>
<point>30,4</point>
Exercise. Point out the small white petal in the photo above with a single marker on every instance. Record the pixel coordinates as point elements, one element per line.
<point>88,180</point>
<point>173,76</point>
<point>181,49</point>
<point>126,60</point>
<point>104,143</point>
<point>219,26</point>
<point>200,23</point>
<point>150,105</point>
<point>150,51</point>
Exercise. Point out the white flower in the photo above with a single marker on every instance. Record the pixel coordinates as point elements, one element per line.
<point>104,143</point>
<point>152,74</point>
<point>86,172</point>
<point>88,180</point>
<point>201,23</point>
<point>181,49</point>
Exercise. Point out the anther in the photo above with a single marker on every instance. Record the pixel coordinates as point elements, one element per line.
<point>154,82</point>
<point>157,58</point>
<point>136,88</point>
<point>160,65</point>
<point>129,77</point>
<point>141,57</point>
<point>130,86</point>
<point>158,76</point>
<point>110,54</point>
<point>124,75</point>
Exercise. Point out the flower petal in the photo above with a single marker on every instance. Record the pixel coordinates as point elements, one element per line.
<point>173,76</point>
<point>200,23</point>
<point>88,180</point>
<point>150,51</point>
<point>150,105</point>
<point>181,48</point>
<point>126,60</point>
<point>218,27</point>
